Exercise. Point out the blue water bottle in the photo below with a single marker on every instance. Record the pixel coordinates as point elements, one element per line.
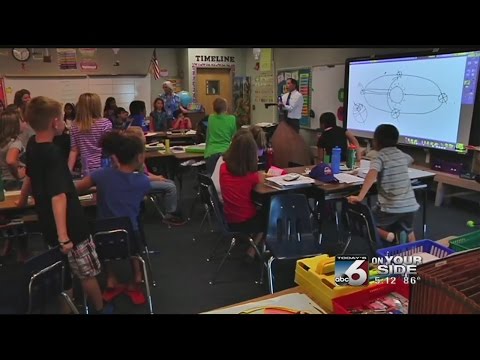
<point>336,154</point>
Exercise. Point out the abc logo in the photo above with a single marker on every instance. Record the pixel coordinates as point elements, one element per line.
<point>355,274</point>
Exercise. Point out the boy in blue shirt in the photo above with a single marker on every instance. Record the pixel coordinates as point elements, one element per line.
<point>138,112</point>
<point>120,191</point>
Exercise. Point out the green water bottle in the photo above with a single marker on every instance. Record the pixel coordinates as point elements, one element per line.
<point>351,156</point>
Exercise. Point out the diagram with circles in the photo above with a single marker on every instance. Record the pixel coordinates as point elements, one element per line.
<point>399,94</point>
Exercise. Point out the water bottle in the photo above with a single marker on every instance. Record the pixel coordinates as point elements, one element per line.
<point>336,154</point>
<point>351,156</point>
<point>269,157</point>
<point>167,145</point>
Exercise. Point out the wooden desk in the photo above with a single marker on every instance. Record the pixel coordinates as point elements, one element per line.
<point>333,191</point>
<point>9,203</point>
<point>183,156</point>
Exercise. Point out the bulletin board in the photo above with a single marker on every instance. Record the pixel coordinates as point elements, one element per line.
<point>304,78</point>
<point>328,92</point>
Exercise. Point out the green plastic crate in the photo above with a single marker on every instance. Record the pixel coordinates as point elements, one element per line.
<point>466,242</point>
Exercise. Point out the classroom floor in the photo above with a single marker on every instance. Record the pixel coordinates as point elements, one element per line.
<point>182,272</point>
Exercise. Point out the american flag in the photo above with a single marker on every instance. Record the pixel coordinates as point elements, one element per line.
<point>154,65</point>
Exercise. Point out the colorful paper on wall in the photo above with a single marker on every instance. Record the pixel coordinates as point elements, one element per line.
<point>67,59</point>
<point>266,60</point>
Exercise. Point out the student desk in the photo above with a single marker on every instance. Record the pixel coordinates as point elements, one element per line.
<point>176,138</point>
<point>9,203</point>
<point>326,191</point>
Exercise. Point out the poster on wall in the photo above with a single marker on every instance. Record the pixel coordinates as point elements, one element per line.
<point>264,88</point>
<point>67,59</point>
<point>241,99</point>
<point>3,95</point>
<point>88,59</point>
<point>304,77</point>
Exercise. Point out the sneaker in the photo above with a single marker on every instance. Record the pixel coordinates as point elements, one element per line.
<point>110,294</point>
<point>170,219</point>
<point>137,296</point>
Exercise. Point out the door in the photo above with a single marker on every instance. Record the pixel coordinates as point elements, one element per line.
<point>211,84</point>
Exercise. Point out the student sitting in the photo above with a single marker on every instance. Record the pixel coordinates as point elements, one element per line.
<point>333,136</point>
<point>260,139</point>
<point>397,204</point>
<point>159,119</point>
<point>121,118</point>
<point>181,122</point>
<point>238,178</point>
<point>138,111</point>
<point>120,192</point>
<point>162,185</point>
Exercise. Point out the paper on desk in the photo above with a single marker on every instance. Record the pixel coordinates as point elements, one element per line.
<point>12,192</point>
<point>191,132</point>
<point>297,301</point>
<point>348,179</point>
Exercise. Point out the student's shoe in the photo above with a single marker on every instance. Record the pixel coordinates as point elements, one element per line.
<point>170,219</point>
<point>137,296</point>
<point>110,294</point>
<point>402,237</point>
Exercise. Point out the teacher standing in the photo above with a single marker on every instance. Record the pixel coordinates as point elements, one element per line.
<point>171,101</point>
<point>291,104</point>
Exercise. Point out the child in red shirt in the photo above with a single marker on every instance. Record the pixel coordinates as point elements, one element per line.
<point>181,122</point>
<point>238,178</point>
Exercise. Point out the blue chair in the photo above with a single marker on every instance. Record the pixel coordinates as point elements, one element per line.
<point>360,222</point>
<point>116,240</point>
<point>290,234</point>
<point>38,283</point>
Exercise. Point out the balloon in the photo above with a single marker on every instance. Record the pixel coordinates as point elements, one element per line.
<point>185,98</point>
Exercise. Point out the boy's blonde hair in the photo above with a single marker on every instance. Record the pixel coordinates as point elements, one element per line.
<point>137,132</point>
<point>89,109</point>
<point>41,111</point>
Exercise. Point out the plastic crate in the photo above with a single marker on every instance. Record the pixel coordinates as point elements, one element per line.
<point>466,242</point>
<point>427,246</point>
<point>316,277</point>
<point>341,304</point>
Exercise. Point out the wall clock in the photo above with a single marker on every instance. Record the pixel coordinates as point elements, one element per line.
<point>21,54</point>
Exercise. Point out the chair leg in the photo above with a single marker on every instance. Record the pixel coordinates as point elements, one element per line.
<point>201,224</point>
<point>149,263</point>
<point>218,242</point>
<point>270,274</point>
<point>70,303</point>
<point>252,243</point>
<point>347,244</point>
<point>159,210</point>
<point>232,244</point>
<point>147,283</point>
<point>85,304</point>
<point>193,206</point>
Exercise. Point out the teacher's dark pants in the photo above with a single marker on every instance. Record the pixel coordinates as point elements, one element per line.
<point>294,123</point>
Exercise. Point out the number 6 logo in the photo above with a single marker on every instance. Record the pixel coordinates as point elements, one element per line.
<point>357,274</point>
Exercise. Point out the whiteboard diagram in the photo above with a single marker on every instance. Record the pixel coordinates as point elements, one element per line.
<point>399,94</point>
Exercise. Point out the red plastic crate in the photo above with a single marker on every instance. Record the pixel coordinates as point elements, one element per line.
<point>342,303</point>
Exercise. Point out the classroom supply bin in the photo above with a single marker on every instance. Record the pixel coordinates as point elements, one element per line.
<point>426,246</point>
<point>466,242</point>
<point>341,304</point>
<point>316,277</point>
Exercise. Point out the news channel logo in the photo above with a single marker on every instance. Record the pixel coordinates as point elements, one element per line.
<point>351,270</point>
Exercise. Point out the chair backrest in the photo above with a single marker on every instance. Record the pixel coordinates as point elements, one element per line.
<point>45,275</point>
<point>114,238</point>
<point>290,234</point>
<point>360,222</point>
<point>218,208</point>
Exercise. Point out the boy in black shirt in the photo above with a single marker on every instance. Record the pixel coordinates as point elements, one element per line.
<point>333,136</point>
<point>59,211</point>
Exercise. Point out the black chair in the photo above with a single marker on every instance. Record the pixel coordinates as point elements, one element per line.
<point>290,234</point>
<point>37,284</point>
<point>360,222</point>
<point>204,181</point>
<point>226,233</point>
<point>116,240</point>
